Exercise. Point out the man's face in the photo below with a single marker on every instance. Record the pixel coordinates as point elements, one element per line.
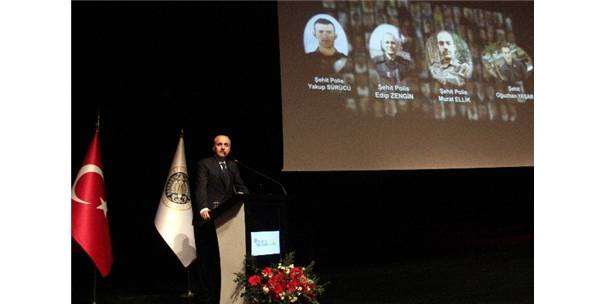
<point>325,33</point>
<point>222,146</point>
<point>507,55</point>
<point>446,47</point>
<point>389,44</point>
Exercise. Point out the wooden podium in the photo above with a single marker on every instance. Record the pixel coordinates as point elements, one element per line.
<point>234,243</point>
<point>230,225</point>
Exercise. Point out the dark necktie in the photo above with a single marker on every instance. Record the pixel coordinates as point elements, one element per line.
<point>224,173</point>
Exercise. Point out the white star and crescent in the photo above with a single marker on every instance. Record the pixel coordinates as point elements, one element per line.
<point>90,168</point>
<point>103,206</point>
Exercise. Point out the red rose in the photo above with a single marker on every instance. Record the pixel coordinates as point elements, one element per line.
<point>267,271</point>
<point>277,289</point>
<point>277,279</point>
<point>254,280</point>
<point>295,273</point>
<point>277,283</point>
<point>292,286</point>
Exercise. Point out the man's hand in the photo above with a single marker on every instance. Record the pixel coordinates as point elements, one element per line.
<point>205,214</point>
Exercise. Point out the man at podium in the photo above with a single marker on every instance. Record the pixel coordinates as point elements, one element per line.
<point>217,180</point>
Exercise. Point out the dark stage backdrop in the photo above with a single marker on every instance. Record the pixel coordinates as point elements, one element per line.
<point>151,69</point>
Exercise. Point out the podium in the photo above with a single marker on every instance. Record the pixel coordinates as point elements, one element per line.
<point>235,219</point>
<point>266,213</point>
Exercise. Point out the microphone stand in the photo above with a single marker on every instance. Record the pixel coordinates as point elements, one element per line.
<point>263,175</point>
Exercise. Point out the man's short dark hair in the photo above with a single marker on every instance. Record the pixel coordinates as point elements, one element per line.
<point>323,21</point>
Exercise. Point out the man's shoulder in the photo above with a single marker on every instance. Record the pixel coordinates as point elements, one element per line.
<point>313,54</point>
<point>518,62</point>
<point>401,60</point>
<point>340,55</point>
<point>379,59</point>
<point>206,160</point>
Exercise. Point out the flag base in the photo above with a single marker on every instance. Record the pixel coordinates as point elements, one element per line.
<point>188,295</point>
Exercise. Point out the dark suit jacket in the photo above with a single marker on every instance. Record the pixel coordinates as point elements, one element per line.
<point>211,185</point>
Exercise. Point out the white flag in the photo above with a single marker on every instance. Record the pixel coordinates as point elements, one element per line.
<point>174,215</point>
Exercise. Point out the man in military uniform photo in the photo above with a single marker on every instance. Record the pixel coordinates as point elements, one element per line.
<point>393,63</point>
<point>512,69</point>
<point>449,70</point>
<point>326,59</point>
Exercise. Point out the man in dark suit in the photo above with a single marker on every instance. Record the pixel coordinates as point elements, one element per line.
<point>217,180</point>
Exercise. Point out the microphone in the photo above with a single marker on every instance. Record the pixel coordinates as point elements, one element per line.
<point>262,175</point>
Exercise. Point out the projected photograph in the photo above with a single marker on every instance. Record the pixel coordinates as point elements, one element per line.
<point>449,58</point>
<point>390,60</point>
<point>507,62</point>
<point>325,44</point>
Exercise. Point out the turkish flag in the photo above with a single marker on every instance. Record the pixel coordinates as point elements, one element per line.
<point>89,210</point>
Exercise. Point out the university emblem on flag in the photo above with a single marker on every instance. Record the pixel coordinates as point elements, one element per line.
<point>177,191</point>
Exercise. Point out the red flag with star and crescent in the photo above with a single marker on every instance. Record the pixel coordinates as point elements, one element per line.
<point>89,210</point>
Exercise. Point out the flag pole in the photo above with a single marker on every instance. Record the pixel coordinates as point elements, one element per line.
<point>189,293</point>
<point>97,124</point>
<point>94,284</point>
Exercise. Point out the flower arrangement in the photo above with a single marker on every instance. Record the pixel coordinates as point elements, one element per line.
<point>279,284</point>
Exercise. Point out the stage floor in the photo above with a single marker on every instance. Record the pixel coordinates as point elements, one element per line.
<point>491,276</point>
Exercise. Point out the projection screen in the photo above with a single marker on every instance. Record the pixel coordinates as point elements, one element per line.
<point>392,85</point>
